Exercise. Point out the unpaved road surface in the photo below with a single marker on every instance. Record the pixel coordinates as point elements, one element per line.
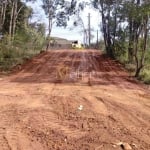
<point>73,100</point>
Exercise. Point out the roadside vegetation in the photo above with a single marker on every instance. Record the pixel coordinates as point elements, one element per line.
<point>125,26</point>
<point>145,73</point>
<point>20,36</point>
<point>20,39</point>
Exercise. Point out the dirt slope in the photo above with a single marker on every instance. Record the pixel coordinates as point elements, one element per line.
<point>73,100</point>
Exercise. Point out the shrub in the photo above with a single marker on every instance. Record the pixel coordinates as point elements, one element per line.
<point>26,44</point>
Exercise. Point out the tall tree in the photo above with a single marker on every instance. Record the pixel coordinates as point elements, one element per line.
<point>134,15</point>
<point>106,8</point>
<point>3,8</point>
<point>58,12</point>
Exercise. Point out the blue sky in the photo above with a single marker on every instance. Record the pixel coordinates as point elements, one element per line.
<point>75,32</point>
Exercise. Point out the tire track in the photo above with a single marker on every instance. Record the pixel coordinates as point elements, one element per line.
<point>43,113</point>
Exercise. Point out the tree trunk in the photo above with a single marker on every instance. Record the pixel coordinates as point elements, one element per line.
<point>115,27</point>
<point>3,15</point>
<point>142,59</point>
<point>106,29</point>
<point>145,36</point>
<point>103,24</point>
<point>14,18</point>
<point>49,31</point>
<point>139,65</point>
<point>11,22</point>
<point>137,73</point>
<point>109,40</point>
<point>131,41</point>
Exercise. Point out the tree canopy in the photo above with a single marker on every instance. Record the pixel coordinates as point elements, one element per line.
<point>125,23</point>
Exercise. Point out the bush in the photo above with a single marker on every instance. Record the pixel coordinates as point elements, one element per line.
<point>145,76</point>
<point>26,44</point>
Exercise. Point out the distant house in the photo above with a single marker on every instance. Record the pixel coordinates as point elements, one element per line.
<point>60,43</point>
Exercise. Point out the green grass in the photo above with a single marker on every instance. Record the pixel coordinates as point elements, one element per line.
<point>11,56</point>
<point>145,73</point>
<point>145,76</point>
<point>26,44</point>
<point>19,50</point>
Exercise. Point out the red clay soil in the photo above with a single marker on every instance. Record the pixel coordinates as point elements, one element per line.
<point>73,100</point>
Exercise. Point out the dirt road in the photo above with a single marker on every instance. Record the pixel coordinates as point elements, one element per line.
<point>73,100</point>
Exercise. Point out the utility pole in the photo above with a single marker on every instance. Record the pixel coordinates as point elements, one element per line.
<point>97,40</point>
<point>89,26</point>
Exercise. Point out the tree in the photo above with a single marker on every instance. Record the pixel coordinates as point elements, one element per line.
<point>141,29</point>
<point>49,7</point>
<point>3,7</point>
<point>58,12</point>
<point>10,11</point>
<point>137,16</point>
<point>78,22</point>
<point>122,22</point>
<point>107,8</point>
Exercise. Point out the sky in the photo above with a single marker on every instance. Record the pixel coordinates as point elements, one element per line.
<point>70,32</point>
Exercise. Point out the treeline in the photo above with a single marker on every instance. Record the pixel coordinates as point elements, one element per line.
<point>19,38</point>
<point>125,26</point>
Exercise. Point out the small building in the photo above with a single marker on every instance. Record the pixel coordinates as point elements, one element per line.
<point>60,43</point>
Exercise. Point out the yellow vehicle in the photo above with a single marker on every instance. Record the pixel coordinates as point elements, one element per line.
<point>77,45</point>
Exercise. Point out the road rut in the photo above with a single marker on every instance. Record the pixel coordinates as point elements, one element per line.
<point>73,100</point>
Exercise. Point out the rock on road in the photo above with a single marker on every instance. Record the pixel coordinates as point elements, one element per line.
<point>73,100</point>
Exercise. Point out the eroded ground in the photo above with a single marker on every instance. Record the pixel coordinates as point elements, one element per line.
<point>73,100</point>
